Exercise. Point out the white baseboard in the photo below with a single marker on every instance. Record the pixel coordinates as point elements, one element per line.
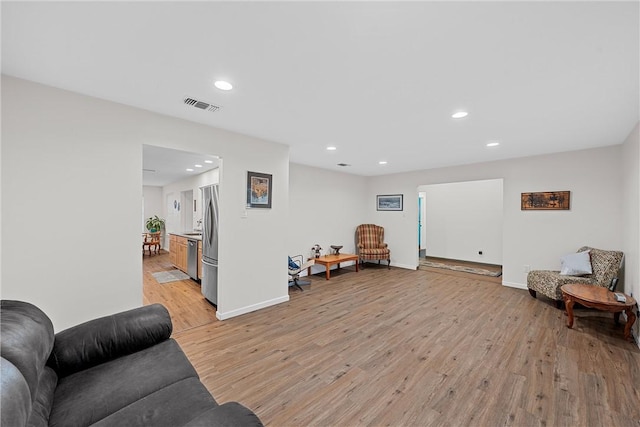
<point>514,285</point>
<point>407,266</point>
<point>250,308</point>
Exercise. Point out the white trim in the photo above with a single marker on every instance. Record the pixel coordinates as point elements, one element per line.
<point>514,285</point>
<point>407,266</point>
<point>250,308</point>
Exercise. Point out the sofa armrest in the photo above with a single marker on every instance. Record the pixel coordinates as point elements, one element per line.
<point>107,338</point>
<point>230,414</point>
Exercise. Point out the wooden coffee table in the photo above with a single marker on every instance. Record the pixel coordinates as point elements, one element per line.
<point>329,260</point>
<point>600,298</point>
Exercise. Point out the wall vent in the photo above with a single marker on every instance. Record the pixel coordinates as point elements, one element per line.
<point>201,105</point>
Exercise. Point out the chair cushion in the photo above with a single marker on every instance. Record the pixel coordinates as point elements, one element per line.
<point>576,264</point>
<point>293,265</point>
<point>548,282</point>
<point>374,251</point>
<point>88,396</point>
<point>163,408</point>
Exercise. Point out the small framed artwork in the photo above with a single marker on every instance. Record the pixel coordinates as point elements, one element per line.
<point>392,202</point>
<point>547,200</point>
<point>259,190</point>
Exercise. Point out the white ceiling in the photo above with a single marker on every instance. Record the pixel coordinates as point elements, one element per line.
<point>162,166</point>
<point>379,80</point>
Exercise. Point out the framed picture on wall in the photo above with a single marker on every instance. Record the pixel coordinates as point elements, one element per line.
<point>259,190</point>
<point>390,202</point>
<point>547,200</point>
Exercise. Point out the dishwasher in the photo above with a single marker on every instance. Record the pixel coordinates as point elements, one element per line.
<point>192,259</point>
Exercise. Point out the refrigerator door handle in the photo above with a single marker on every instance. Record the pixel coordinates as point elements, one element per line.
<point>210,224</point>
<point>209,264</point>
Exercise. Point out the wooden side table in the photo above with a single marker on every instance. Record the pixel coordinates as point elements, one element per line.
<point>601,299</point>
<point>329,260</point>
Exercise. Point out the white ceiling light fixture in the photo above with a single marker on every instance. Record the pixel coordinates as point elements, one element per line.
<point>459,114</point>
<point>382,162</point>
<point>222,85</point>
<point>198,166</point>
<point>189,170</point>
<point>331,148</point>
<point>493,143</point>
<point>208,161</point>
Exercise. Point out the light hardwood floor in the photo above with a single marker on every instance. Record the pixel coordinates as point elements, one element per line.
<point>409,348</point>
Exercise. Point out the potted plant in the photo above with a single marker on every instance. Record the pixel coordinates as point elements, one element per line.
<point>154,224</point>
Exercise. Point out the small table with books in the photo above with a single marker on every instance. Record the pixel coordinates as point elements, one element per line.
<point>601,299</point>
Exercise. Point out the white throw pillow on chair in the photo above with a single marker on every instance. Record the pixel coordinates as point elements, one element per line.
<point>577,264</point>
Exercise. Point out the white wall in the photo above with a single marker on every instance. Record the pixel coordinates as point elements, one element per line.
<point>85,158</point>
<point>464,218</point>
<point>325,207</point>
<point>631,217</point>
<point>534,238</point>
<point>152,196</point>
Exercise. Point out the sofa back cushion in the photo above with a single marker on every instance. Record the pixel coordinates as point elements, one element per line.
<point>27,339</point>
<point>106,338</point>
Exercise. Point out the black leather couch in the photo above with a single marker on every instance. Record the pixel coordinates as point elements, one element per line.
<point>120,370</point>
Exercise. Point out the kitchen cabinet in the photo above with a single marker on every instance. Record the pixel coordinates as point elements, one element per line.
<point>173,249</point>
<point>181,261</point>
<point>178,252</point>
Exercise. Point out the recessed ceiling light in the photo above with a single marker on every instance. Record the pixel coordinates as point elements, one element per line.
<point>459,114</point>
<point>382,162</point>
<point>331,148</point>
<point>189,170</point>
<point>208,161</point>
<point>493,144</point>
<point>198,166</point>
<point>222,85</point>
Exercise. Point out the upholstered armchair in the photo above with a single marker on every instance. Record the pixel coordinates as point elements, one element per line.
<point>370,244</point>
<point>605,266</point>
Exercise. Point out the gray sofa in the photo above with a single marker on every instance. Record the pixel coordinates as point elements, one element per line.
<point>120,370</point>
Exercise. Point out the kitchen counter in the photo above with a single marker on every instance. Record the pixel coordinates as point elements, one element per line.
<point>188,235</point>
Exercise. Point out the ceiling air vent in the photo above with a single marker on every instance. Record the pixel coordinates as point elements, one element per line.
<point>343,164</point>
<point>201,105</point>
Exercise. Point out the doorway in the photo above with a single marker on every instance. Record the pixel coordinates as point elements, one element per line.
<point>422,251</point>
<point>171,190</point>
<point>462,221</point>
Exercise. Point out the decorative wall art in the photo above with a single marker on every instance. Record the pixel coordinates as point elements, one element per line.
<point>259,190</point>
<point>391,202</point>
<point>548,200</point>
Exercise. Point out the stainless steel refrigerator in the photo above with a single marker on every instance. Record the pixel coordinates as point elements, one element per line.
<point>210,244</point>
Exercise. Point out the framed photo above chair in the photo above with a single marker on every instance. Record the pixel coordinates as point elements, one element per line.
<point>390,202</point>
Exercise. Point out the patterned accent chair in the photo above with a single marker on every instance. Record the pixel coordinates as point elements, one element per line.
<point>605,266</point>
<point>370,244</point>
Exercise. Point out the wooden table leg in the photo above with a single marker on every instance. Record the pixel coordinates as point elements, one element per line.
<point>328,269</point>
<point>568,303</point>
<point>631,319</point>
<point>616,317</point>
